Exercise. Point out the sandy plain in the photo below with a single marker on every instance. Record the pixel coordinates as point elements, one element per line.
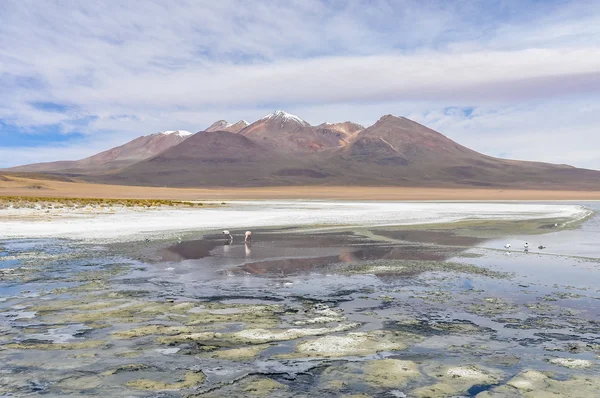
<point>40,186</point>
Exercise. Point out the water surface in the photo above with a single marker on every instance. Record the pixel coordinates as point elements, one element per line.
<point>297,313</point>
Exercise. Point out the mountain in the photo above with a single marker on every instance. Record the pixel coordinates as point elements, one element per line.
<point>286,133</point>
<point>224,125</point>
<point>400,141</point>
<point>215,158</point>
<point>399,151</point>
<point>283,149</point>
<point>134,151</point>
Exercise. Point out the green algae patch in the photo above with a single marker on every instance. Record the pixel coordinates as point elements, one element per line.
<point>264,315</point>
<point>492,307</point>
<point>55,346</point>
<point>263,387</point>
<point>94,280</point>
<point>189,337</point>
<point>128,312</point>
<point>351,344</point>
<point>96,306</point>
<point>413,267</point>
<point>150,330</point>
<point>455,380</point>
<point>191,379</point>
<point>240,354</point>
<point>535,384</point>
<point>252,336</point>
<point>132,367</point>
<point>390,373</point>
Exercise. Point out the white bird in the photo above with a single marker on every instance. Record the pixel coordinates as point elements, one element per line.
<point>507,246</point>
<point>248,237</point>
<point>526,246</point>
<point>228,234</point>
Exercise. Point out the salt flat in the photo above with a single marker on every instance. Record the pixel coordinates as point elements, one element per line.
<point>117,223</point>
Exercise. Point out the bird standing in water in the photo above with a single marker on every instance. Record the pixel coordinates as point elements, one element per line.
<point>248,237</point>
<point>227,234</point>
<point>526,245</point>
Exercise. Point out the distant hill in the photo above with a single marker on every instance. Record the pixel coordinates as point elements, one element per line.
<point>282,149</point>
<point>138,149</point>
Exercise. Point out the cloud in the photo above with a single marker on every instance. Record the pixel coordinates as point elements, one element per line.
<point>122,69</point>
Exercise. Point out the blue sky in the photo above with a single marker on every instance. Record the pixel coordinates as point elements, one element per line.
<point>517,79</point>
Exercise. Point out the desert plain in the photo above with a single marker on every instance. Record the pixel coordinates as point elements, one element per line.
<point>27,185</point>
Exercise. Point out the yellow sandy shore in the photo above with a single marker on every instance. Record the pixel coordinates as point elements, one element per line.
<point>19,186</point>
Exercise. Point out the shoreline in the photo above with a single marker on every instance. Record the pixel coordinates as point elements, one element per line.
<point>113,224</point>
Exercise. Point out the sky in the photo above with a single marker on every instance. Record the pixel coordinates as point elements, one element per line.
<point>514,79</point>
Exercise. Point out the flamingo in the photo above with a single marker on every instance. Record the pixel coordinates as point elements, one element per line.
<point>228,234</point>
<point>248,236</point>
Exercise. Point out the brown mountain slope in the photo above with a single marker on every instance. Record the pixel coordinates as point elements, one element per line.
<point>224,125</point>
<point>286,133</point>
<point>399,151</point>
<point>216,158</point>
<point>344,131</point>
<point>132,152</point>
<point>400,141</point>
<point>282,149</point>
<point>346,128</point>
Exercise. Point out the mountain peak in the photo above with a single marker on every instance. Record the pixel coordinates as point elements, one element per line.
<point>224,125</point>
<point>218,125</point>
<point>284,117</point>
<point>241,124</point>
<point>180,133</point>
<point>344,129</point>
<point>391,117</point>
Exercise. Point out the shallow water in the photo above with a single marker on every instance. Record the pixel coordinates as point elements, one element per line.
<point>77,319</point>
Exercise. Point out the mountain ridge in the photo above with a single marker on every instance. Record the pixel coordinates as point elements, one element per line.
<point>283,149</point>
<point>139,148</point>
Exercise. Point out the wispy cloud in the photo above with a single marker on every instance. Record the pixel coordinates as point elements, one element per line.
<point>113,70</point>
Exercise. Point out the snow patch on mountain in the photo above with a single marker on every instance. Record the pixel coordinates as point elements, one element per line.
<point>284,117</point>
<point>181,133</point>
